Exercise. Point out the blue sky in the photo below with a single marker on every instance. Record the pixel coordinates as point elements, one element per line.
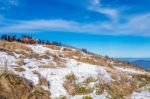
<point>117,28</point>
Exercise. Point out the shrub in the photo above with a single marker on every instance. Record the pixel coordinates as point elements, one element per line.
<point>71,77</point>
<point>82,90</point>
<point>89,80</point>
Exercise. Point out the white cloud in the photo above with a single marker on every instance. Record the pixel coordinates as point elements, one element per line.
<point>98,7</point>
<point>51,25</point>
<point>112,13</point>
<point>136,25</point>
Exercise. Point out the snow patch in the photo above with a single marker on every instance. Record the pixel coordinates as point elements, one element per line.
<point>141,95</point>
<point>7,60</point>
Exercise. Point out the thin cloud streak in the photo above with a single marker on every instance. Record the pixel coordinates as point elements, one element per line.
<point>110,12</point>
<point>137,25</point>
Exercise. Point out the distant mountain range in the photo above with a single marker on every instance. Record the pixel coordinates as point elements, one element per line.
<point>142,62</point>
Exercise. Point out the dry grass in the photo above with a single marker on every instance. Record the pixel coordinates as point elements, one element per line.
<point>39,93</point>
<point>117,90</point>
<point>70,87</point>
<point>49,65</point>
<point>43,81</point>
<point>89,80</point>
<point>66,49</point>
<point>73,88</point>
<point>15,87</point>
<point>127,65</point>
<point>94,61</point>
<point>80,90</point>
<point>14,46</point>
<point>19,69</point>
<point>69,84</point>
<point>54,47</point>
<point>143,80</point>
<point>18,48</point>
<point>59,62</point>
<point>20,62</point>
<point>71,78</point>
<point>71,54</point>
<point>87,97</point>
<point>62,97</point>
<point>91,59</point>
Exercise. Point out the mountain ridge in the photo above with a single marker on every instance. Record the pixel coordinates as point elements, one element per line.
<point>142,62</point>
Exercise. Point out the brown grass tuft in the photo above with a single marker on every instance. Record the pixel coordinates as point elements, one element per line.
<point>117,90</point>
<point>67,49</point>
<point>87,97</point>
<point>20,62</point>
<point>19,69</point>
<point>43,81</point>
<point>71,77</point>
<point>39,93</point>
<point>73,88</point>
<point>15,87</point>
<point>14,46</point>
<point>54,47</point>
<point>89,80</point>
<point>49,65</point>
<point>59,62</point>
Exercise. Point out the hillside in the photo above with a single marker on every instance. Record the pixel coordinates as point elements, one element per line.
<point>69,73</point>
<point>142,62</point>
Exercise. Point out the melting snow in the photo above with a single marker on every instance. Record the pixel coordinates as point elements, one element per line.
<point>141,95</point>
<point>56,76</point>
<point>7,60</point>
<point>129,70</point>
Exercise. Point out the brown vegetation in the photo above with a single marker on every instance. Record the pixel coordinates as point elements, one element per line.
<point>12,46</point>
<point>43,81</point>
<point>142,80</point>
<point>15,87</point>
<point>59,62</point>
<point>73,88</point>
<point>89,80</point>
<point>19,69</point>
<point>49,65</point>
<point>116,89</point>
<point>87,97</point>
<point>20,62</point>
<point>54,47</point>
<point>72,54</point>
<point>66,49</point>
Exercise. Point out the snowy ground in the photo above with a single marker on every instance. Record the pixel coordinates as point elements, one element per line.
<point>141,95</point>
<point>129,70</point>
<point>56,76</point>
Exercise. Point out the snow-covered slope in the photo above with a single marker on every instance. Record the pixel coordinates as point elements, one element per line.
<point>72,74</point>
